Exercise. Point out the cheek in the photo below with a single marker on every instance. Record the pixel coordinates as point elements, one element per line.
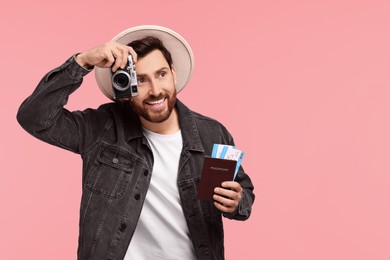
<point>170,85</point>
<point>169,88</point>
<point>137,100</point>
<point>142,93</point>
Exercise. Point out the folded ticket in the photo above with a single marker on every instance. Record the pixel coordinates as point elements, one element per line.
<point>228,152</point>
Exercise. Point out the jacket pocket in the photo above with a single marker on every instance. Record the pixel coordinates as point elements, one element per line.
<point>110,173</point>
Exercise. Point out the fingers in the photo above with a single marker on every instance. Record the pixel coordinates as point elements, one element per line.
<point>110,54</point>
<point>224,208</point>
<point>228,198</point>
<point>132,53</point>
<point>227,205</point>
<point>232,185</point>
<point>119,56</point>
<point>107,59</point>
<point>230,194</point>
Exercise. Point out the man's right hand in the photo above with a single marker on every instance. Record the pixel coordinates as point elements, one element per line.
<point>110,54</point>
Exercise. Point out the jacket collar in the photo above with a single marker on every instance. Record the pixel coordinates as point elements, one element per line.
<point>189,129</point>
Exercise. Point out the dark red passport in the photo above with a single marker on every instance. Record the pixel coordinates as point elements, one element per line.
<point>214,172</point>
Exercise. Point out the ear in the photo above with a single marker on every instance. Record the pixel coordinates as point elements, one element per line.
<point>174,74</point>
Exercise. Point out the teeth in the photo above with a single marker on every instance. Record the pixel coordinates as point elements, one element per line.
<point>156,102</point>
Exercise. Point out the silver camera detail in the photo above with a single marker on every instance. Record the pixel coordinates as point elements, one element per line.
<point>124,81</point>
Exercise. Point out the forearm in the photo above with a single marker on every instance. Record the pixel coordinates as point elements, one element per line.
<point>39,112</point>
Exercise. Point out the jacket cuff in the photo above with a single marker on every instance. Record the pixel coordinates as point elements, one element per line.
<point>243,210</point>
<point>74,69</point>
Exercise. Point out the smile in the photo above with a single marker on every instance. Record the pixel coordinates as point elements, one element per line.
<point>156,103</point>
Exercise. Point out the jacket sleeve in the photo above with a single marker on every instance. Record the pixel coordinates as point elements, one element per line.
<point>244,209</point>
<point>43,114</point>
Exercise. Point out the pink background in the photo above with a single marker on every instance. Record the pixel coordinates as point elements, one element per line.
<point>302,85</point>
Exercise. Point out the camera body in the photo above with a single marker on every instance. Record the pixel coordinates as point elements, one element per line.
<point>124,81</point>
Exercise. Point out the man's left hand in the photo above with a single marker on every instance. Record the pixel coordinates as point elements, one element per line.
<point>228,197</point>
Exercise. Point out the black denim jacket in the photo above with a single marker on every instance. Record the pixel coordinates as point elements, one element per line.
<point>118,162</point>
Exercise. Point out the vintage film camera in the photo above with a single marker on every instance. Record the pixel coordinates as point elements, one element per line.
<point>124,81</point>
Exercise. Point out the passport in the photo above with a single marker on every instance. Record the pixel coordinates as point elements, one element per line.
<point>214,172</point>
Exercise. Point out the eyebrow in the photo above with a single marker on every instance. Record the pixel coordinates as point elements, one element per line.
<point>156,72</point>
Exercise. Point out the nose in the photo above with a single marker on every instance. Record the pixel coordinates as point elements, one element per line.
<point>155,88</point>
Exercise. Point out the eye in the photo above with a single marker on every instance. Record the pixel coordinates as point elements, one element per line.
<point>163,74</point>
<point>141,80</point>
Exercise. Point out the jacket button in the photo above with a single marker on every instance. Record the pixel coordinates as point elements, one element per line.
<point>122,227</point>
<point>137,196</point>
<point>115,160</point>
<point>146,173</point>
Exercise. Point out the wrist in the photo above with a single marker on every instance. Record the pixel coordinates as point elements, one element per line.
<point>80,59</point>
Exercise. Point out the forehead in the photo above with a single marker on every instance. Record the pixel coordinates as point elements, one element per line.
<point>151,62</point>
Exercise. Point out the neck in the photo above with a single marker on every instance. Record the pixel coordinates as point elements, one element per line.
<point>169,126</point>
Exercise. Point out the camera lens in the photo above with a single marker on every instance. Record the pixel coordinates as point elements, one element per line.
<point>121,80</point>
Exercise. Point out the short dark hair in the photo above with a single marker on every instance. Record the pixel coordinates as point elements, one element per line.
<point>148,44</point>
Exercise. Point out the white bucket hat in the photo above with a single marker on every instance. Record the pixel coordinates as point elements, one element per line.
<point>181,52</point>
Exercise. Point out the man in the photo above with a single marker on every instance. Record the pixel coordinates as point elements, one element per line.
<point>142,155</point>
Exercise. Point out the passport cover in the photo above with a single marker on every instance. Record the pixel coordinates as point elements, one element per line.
<point>214,172</point>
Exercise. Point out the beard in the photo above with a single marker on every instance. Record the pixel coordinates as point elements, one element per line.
<point>155,116</point>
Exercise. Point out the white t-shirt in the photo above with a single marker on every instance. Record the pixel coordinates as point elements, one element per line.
<point>162,231</point>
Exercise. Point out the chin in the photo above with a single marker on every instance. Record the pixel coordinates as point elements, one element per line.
<point>157,118</point>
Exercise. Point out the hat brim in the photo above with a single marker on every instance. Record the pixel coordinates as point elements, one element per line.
<point>181,52</point>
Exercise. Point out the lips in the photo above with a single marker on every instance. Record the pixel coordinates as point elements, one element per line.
<point>155,102</point>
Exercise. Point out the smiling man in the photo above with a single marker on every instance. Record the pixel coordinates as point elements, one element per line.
<point>142,155</point>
